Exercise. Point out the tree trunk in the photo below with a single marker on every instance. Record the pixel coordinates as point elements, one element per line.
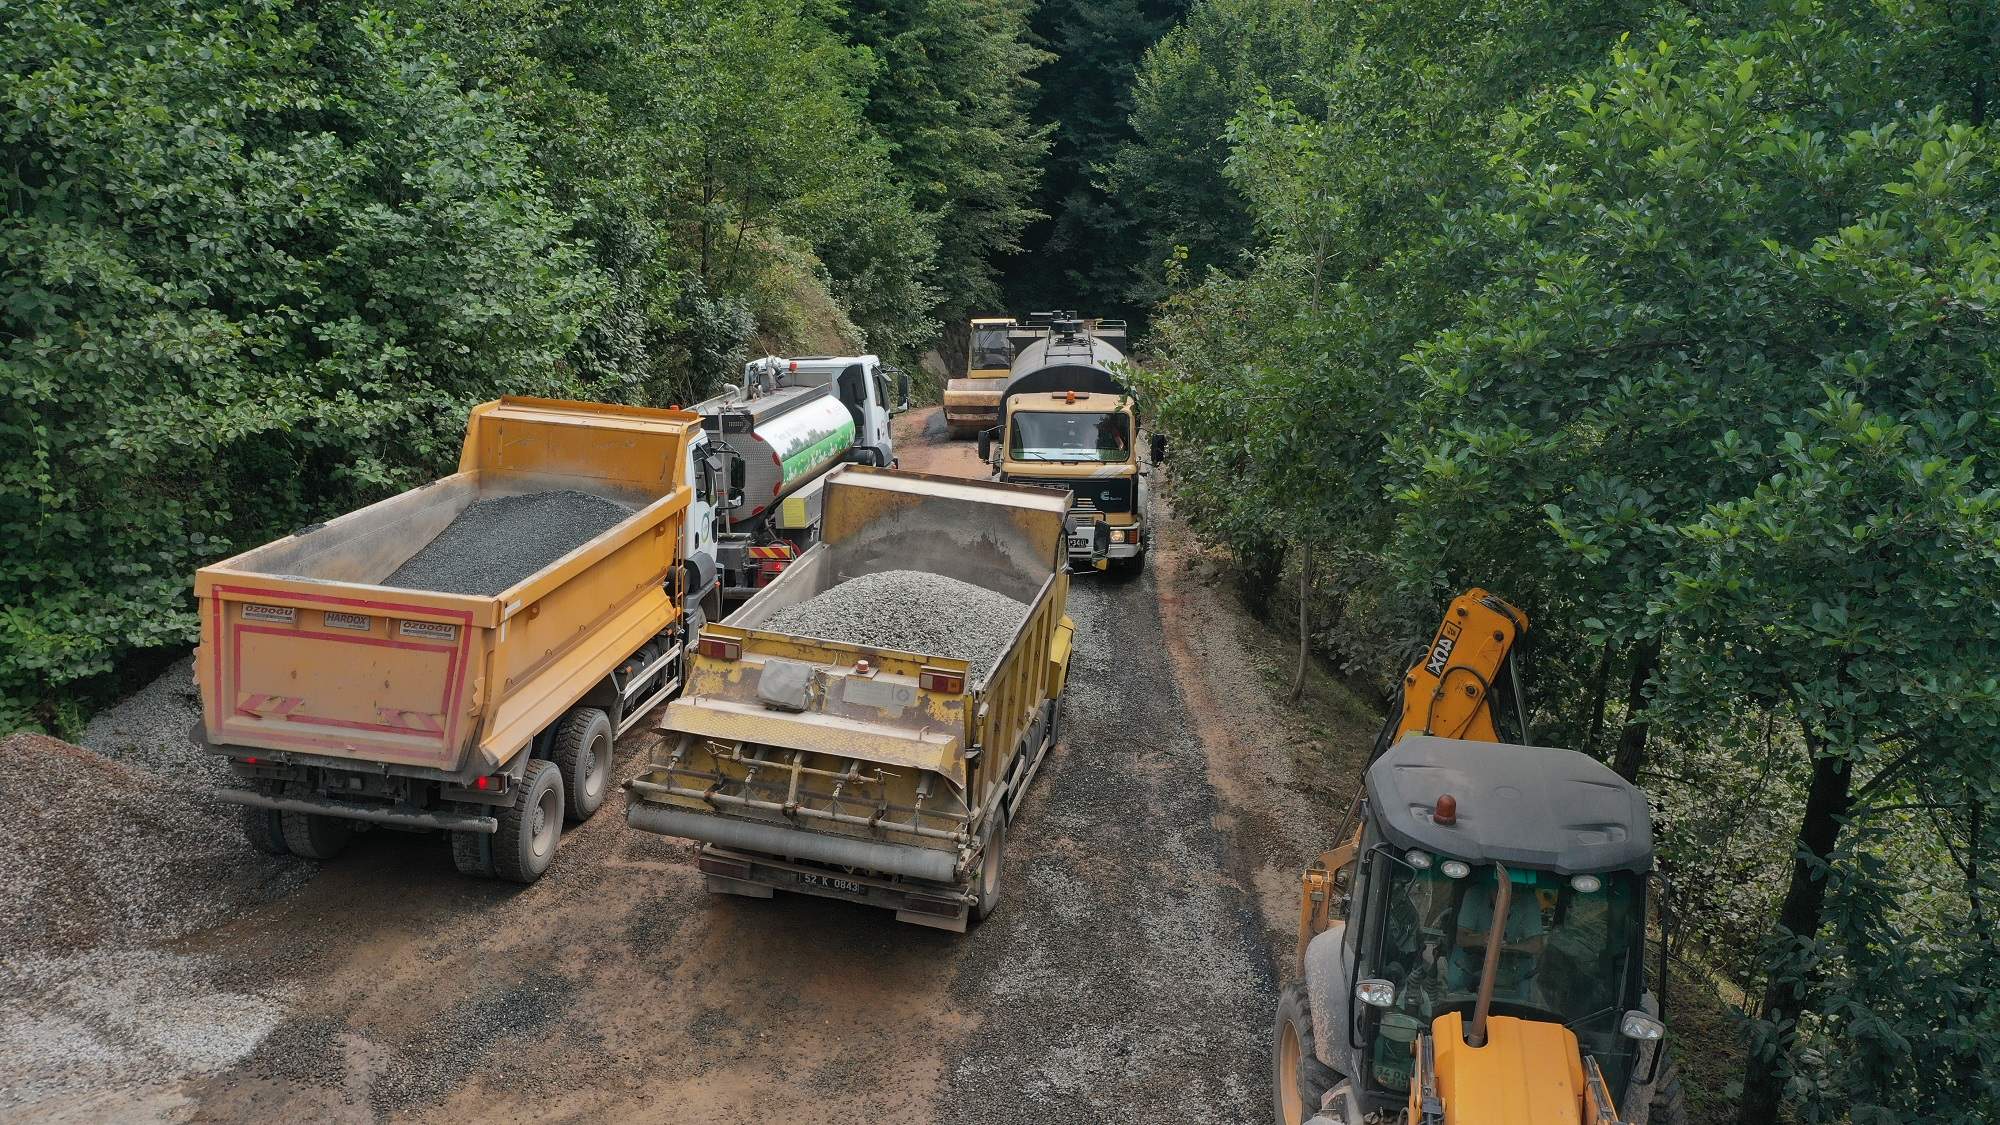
<point>1827,800</point>
<point>1598,693</point>
<point>1305,625</point>
<point>1632,740</point>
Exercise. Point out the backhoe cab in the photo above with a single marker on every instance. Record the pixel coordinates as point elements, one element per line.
<point>1474,951</point>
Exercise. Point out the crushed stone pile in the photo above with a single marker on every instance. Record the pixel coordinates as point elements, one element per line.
<point>911,611</point>
<point>103,852</point>
<point>496,543</point>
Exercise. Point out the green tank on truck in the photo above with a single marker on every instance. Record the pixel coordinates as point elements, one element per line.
<point>822,766</point>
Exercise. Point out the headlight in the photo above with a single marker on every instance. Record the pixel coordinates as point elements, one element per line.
<point>1586,884</point>
<point>1118,535</point>
<point>1418,858</point>
<point>1639,1025</point>
<point>1455,868</point>
<point>1375,993</point>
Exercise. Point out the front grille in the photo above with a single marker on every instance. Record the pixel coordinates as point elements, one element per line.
<point>1092,495</point>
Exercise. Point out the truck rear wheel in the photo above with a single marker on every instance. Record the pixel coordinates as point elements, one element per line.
<point>529,832</point>
<point>583,752</point>
<point>989,873</point>
<point>265,829</point>
<point>1299,1081</point>
<point>314,836</point>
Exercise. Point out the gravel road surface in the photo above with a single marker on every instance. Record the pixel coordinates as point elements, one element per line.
<point>1150,890</point>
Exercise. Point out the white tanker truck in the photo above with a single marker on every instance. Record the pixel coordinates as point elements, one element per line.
<point>760,465</point>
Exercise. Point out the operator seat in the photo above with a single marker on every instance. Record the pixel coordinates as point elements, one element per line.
<point>1521,943</point>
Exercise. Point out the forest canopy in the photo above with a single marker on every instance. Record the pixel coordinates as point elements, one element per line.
<point>1677,327</point>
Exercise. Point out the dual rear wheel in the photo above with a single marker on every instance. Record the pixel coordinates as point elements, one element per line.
<point>568,786</point>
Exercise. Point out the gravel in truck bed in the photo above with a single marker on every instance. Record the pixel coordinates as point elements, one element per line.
<point>496,543</point>
<point>910,611</point>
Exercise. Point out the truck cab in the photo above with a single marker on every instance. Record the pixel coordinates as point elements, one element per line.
<point>1477,950</point>
<point>1083,441</point>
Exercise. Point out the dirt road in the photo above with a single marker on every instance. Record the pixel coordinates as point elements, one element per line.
<point>1128,977</point>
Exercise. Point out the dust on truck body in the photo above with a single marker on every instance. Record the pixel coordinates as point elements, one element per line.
<point>341,700</point>
<point>862,773</point>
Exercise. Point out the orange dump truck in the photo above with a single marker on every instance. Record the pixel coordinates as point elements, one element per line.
<point>345,694</point>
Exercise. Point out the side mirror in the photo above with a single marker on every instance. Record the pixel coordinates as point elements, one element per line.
<point>1636,1024</point>
<point>738,474</point>
<point>1158,453</point>
<point>986,445</point>
<point>902,390</point>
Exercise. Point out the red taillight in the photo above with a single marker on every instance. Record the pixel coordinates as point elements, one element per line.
<point>482,783</point>
<point>249,761</point>
<point>941,680</point>
<point>720,648</point>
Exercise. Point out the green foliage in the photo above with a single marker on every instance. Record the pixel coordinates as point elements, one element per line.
<point>1082,256</point>
<point>689,136</point>
<point>258,265</point>
<point>1686,342</point>
<point>1188,88</point>
<point>949,96</point>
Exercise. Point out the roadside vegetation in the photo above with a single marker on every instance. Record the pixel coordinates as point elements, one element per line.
<point>1675,325</point>
<point>261,256</point>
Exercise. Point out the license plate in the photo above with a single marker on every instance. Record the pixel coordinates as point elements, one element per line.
<point>1079,543</point>
<point>831,883</point>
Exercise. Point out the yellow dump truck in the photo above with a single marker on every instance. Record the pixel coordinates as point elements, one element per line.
<point>871,773</point>
<point>347,690</point>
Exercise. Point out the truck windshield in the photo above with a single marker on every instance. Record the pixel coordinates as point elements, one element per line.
<point>1566,955</point>
<point>1043,435</point>
<point>991,349</point>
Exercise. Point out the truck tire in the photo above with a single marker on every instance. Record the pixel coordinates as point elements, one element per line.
<point>529,832</point>
<point>989,873</point>
<point>265,829</point>
<point>583,752</point>
<point>1669,1101</point>
<point>1298,1079</point>
<point>472,854</point>
<point>314,836</point>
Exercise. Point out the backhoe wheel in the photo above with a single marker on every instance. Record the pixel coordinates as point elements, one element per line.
<point>1299,1079</point>
<point>583,752</point>
<point>314,836</point>
<point>989,873</point>
<point>472,854</point>
<point>526,843</point>
<point>265,829</point>
<point>1669,1104</point>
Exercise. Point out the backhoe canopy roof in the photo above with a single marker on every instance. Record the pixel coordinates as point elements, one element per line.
<point>1525,806</point>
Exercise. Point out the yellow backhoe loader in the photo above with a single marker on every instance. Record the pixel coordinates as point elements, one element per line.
<point>1473,953</point>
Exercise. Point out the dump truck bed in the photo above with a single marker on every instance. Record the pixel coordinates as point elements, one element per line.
<point>890,765</point>
<point>305,648</point>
